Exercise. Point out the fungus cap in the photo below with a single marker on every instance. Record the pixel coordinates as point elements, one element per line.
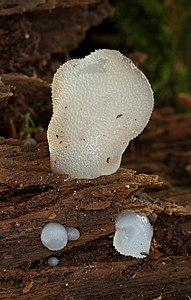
<point>133,234</point>
<point>73,233</point>
<point>54,236</point>
<point>100,103</point>
<point>53,261</point>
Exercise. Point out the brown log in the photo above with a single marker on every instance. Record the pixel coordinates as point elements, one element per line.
<point>30,41</point>
<point>33,45</point>
<point>36,36</point>
<point>164,148</point>
<point>10,7</point>
<point>31,196</point>
<point>25,92</point>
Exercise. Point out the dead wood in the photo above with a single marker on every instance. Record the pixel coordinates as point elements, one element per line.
<point>33,45</point>
<point>35,35</point>
<point>21,6</point>
<point>32,196</point>
<point>25,92</point>
<point>36,43</point>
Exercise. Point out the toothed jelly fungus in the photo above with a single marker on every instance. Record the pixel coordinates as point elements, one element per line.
<point>133,234</point>
<point>100,103</point>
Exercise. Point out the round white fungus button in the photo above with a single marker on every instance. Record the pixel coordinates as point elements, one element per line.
<point>54,236</point>
<point>73,233</point>
<point>53,261</point>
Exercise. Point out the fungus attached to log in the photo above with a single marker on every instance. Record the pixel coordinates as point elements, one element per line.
<point>53,261</point>
<point>133,234</point>
<point>100,103</point>
<point>73,233</point>
<point>54,236</point>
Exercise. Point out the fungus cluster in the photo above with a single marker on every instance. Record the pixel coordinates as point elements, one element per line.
<point>55,236</point>
<point>133,234</point>
<point>100,103</point>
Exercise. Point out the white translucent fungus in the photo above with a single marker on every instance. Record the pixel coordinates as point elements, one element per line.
<point>100,103</point>
<point>53,261</point>
<point>73,233</point>
<point>133,234</point>
<point>54,236</point>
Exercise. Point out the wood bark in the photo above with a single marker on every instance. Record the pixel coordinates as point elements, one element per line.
<point>31,196</point>
<point>34,37</point>
<point>12,7</point>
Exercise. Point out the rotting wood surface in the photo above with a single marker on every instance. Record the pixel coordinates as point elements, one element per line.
<point>31,196</point>
<point>36,37</point>
<point>21,6</point>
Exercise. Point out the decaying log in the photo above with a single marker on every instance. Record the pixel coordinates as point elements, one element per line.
<point>10,7</point>
<point>166,140</point>
<point>5,91</point>
<point>36,37</point>
<point>29,40</point>
<point>25,92</point>
<point>31,196</point>
<point>165,149</point>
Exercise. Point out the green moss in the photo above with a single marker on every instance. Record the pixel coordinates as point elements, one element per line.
<point>158,30</point>
<point>28,128</point>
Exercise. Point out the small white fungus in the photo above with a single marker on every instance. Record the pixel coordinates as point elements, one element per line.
<point>133,234</point>
<point>73,233</point>
<point>53,261</point>
<point>100,103</point>
<point>54,236</point>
